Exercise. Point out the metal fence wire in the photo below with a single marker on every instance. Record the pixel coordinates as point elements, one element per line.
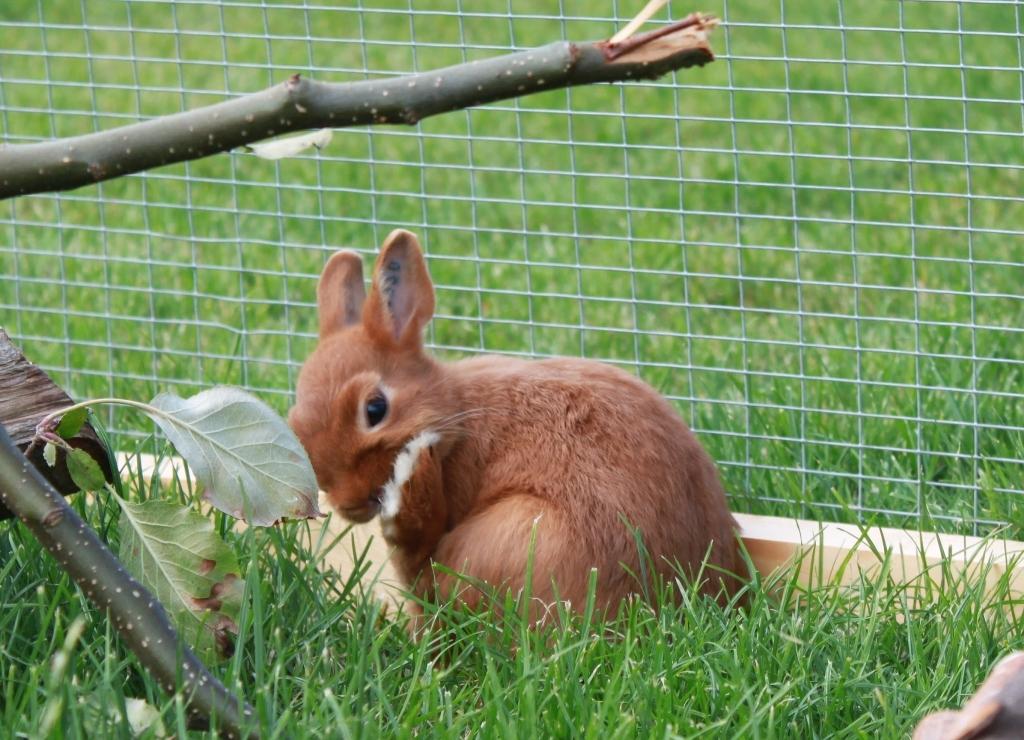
<point>814,246</point>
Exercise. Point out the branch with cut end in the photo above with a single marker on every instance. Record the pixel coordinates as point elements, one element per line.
<point>136,613</point>
<point>995,712</point>
<point>299,104</point>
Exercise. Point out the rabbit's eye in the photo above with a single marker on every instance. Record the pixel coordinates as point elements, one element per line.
<point>376,409</point>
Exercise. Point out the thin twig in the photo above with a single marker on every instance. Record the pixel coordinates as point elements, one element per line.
<point>641,18</point>
<point>648,41</point>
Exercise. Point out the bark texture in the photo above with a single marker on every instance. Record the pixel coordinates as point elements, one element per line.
<point>27,394</point>
<point>134,611</point>
<point>299,104</point>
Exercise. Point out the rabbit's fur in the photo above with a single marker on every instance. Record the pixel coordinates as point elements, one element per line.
<point>474,458</point>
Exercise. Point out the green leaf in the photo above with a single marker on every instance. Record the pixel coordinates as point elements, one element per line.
<point>50,454</point>
<point>175,552</point>
<point>85,471</point>
<point>250,463</point>
<point>71,423</point>
<point>108,444</point>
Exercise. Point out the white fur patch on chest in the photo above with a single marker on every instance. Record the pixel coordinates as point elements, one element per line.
<point>405,463</point>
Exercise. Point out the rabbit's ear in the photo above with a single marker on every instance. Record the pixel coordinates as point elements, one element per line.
<point>401,298</point>
<point>340,294</point>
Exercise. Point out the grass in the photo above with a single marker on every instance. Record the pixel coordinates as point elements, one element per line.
<point>819,262</point>
<point>825,280</point>
<point>317,658</point>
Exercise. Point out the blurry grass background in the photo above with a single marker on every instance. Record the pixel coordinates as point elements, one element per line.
<point>814,246</point>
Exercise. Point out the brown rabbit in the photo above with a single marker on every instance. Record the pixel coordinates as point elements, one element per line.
<point>464,463</point>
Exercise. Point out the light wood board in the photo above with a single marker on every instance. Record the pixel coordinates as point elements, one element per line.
<point>824,552</point>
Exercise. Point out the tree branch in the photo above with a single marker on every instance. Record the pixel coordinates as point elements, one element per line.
<point>136,613</point>
<point>299,104</point>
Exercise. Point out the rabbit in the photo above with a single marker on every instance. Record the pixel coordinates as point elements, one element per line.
<point>493,465</point>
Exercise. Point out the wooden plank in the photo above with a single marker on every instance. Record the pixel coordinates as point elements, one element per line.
<point>828,552</point>
<point>824,552</point>
<point>27,394</point>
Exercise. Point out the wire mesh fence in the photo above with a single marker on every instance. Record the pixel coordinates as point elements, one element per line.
<point>814,246</point>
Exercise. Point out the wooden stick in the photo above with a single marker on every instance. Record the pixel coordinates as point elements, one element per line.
<point>641,18</point>
<point>299,104</point>
<point>136,614</point>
